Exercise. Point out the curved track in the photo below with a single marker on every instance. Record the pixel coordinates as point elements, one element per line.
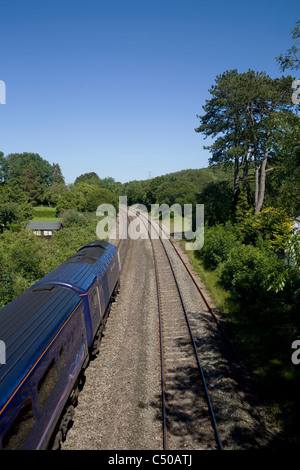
<point>188,415</point>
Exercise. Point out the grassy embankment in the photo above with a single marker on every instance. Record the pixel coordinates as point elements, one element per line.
<point>266,351</point>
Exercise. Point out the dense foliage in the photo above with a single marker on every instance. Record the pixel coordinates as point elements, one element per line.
<point>255,268</point>
<point>253,257</point>
<point>29,187</point>
<point>25,258</point>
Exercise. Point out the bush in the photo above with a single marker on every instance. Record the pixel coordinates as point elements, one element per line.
<point>218,241</point>
<point>272,226</point>
<point>26,256</point>
<point>71,217</point>
<point>247,270</point>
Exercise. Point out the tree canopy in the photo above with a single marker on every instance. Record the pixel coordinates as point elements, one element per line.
<point>89,178</point>
<point>291,59</point>
<point>242,115</point>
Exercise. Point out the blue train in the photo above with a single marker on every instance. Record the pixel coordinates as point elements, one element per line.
<point>49,333</point>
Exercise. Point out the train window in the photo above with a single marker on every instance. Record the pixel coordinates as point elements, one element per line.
<point>47,383</point>
<point>62,358</point>
<point>18,432</point>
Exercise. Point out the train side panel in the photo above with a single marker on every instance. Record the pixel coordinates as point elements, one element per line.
<point>49,330</point>
<point>32,411</point>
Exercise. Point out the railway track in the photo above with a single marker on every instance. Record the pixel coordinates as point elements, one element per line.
<point>188,415</point>
<point>157,364</point>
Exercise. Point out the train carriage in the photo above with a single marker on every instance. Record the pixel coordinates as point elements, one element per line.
<point>48,332</point>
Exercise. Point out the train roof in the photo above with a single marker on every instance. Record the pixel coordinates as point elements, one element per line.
<point>28,324</point>
<point>81,269</point>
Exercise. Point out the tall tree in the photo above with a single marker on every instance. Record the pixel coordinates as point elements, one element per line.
<point>241,115</point>
<point>2,167</point>
<point>16,164</point>
<point>57,174</point>
<point>31,186</point>
<point>284,183</point>
<point>88,178</point>
<point>291,59</point>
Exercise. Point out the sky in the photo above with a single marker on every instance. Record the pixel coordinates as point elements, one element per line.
<point>114,87</point>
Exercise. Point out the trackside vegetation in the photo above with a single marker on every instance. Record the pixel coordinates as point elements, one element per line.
<point>258,291</point>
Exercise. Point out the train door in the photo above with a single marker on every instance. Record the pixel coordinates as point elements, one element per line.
<point>95,307</point>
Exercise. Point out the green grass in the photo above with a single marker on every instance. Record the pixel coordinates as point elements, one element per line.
<point>221,297</point>
<point>44,214</point>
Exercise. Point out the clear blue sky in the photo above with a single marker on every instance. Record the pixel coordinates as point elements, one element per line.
<point>114,86</point>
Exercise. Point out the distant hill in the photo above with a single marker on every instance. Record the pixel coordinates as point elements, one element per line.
<point>202,176</point>
<point>199,176</point>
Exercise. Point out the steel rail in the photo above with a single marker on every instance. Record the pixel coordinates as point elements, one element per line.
<point>165,444</point>
<point>164,414</point>
<point>217,434</point>
<point>204,298</point>
<point>123,241</point>
<point>164,420</point>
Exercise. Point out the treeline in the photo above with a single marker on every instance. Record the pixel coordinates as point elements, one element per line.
<point>27,180</point>
<point>210,186</point>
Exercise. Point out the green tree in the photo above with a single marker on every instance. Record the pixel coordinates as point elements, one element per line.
<point>95,196</point>
<point>135,192</point>
<point>291,59</point>
<point>175,191</point>
<point>72,198</point>
<point>2,168</point>
<point>272,226</point>
<point>88,178</point>
<point>85,197</point>
<point>31,185</point>
<point>218,202</point>
<point>151,195</point>
<point>57,174</point>
<point>114,186</point>
<point>14,206</point>
<point>284,181</point>
<point>290,277</point>
<point>242,114</point>
<point>16,164</point>
<point>54,193</point>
